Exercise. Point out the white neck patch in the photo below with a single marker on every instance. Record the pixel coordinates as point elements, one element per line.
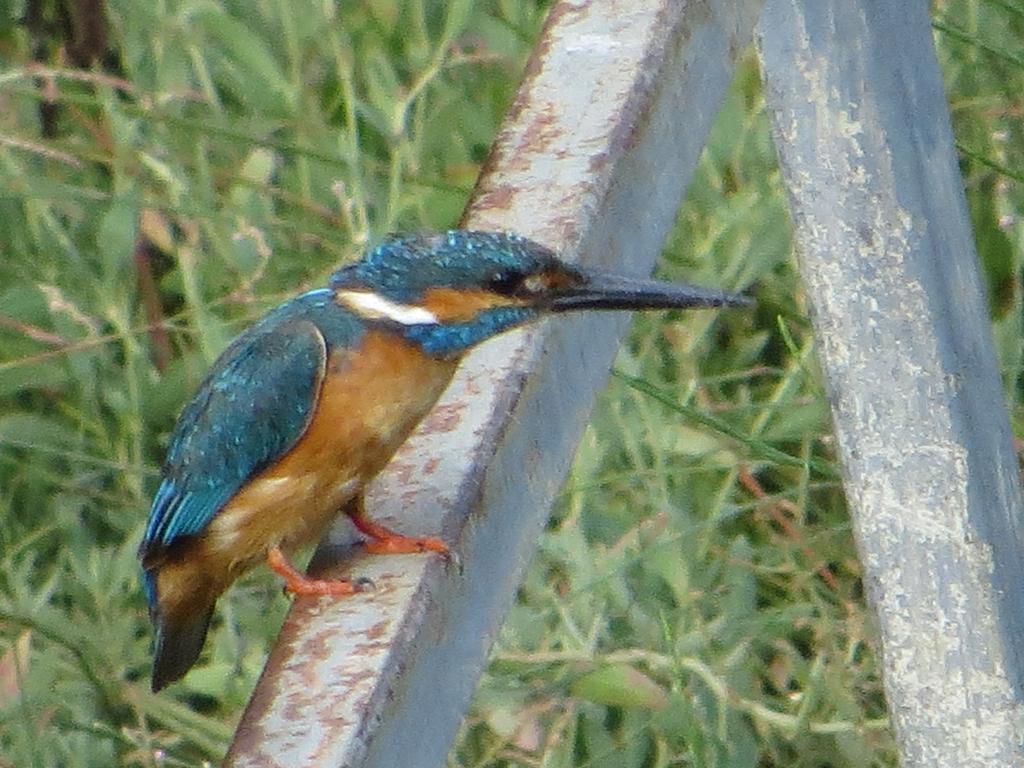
<point>375,307</point>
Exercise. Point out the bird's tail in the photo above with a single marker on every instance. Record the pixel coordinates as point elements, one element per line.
<point>180,634</point>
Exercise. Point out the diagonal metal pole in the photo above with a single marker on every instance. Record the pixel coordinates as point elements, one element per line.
<point>592,160</point>
<point>866,149</point>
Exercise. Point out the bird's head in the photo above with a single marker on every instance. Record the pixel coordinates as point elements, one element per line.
<point>448,292</point>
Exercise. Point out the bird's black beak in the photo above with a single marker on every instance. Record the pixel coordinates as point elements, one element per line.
<point>601,290</point>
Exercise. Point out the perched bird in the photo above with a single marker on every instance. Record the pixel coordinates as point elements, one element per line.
<point>306,406</point>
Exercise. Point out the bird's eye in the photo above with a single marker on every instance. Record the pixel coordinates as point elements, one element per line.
<point>505,283</point>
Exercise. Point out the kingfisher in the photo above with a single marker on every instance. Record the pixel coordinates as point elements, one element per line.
<point>305,407</point>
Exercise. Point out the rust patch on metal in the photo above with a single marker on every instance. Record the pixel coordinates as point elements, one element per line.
<point>534,68</point>
<point>523,101</point>
<point>251,732</point>
<point>499,198</point>
<point>378,630</point>
<point>403,470</point>
<point>352,679</point>
<point>541,131</point>
<point>444,418</point>
<point>598,163</point>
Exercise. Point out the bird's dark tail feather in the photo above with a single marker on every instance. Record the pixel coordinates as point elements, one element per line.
<point>178,643</point>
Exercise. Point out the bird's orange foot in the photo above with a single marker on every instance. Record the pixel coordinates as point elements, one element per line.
<point>384,541</point>
<point>299,584</point>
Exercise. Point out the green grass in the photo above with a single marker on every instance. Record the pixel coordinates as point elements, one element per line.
<point>697,597</point>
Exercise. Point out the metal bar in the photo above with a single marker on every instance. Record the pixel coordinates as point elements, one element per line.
<point>593,159</point>
<point>863,133</point>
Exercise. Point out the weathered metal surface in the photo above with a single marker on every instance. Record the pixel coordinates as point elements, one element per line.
<point>863,133</point>
<point>608,126</point>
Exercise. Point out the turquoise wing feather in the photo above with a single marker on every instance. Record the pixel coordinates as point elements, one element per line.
<point>253,406</point>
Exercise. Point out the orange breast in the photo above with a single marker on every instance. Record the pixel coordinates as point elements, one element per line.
<point>371,399</point>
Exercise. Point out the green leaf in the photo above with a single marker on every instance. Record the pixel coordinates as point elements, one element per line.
<point>620,685</point>
<point>46,374</point>
<point>257,78</point>
<point>385,12</point>
<point>30,430</point>
<point>116,237</point>
<point>456,19</point>
<point>255,174</point>
<point>383,88</point>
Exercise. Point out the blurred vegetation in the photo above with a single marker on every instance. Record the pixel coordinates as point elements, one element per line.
<point>168,176</point>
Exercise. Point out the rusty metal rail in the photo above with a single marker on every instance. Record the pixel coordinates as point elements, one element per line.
<point>593,159</point>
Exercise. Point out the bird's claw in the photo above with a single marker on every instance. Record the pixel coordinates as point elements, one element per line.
<point>407,545</point>
<point>453,559</point>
